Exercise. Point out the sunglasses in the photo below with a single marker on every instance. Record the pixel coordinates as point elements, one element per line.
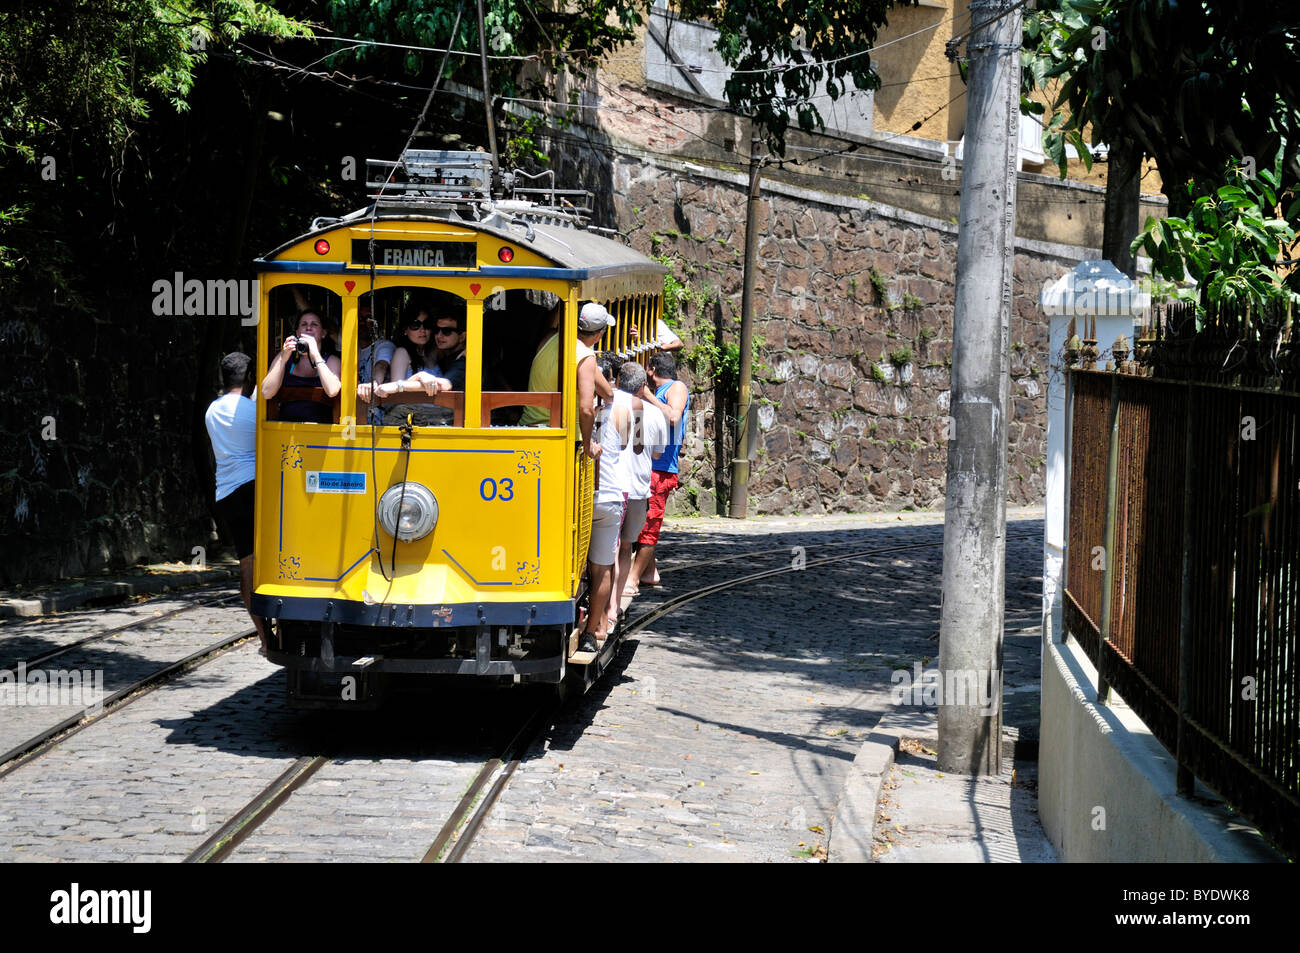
<point>446,329</point>
<point>417,325</point>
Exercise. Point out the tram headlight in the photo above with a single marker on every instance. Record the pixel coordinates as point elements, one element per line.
<point>418,511</point>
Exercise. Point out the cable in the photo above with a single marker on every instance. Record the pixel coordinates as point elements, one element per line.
<point>611,151</point>
<point>791,67</point>
<point>961,38</point>
<point>653,109</point>
<point>529,8</point>
<point>853,146</point>
<point>354,42</point>
<point>370,247</point>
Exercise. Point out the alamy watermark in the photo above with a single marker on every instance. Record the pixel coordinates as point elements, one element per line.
<point>83,688</point>
<point>76,905</point>
<point>192,297</point>
<point>975,688</point>
<point>1102,298</point>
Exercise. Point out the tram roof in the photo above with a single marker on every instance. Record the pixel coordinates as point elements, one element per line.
<point>577,254</point>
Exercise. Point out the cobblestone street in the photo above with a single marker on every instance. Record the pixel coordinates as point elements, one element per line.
<point>727,731</point>
<point>723,731</point>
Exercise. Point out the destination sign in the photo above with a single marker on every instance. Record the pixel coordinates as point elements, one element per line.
<point>415,254</point>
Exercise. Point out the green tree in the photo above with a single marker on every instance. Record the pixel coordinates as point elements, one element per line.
<point>534,51</point>
<point>780,53</point>
<point>1194,85</point>
<point>1229,239</point>
<point>80,76</point>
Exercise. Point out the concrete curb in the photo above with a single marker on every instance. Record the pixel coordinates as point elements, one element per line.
<point>853,830</point>
<point>854,827</point>
<point>113,590</point>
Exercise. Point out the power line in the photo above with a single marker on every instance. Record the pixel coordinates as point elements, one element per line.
<point>355,42</point>
<point>848,151</point>
<point>339,79</point>
<point>529,8</point>
<point>342,80</point>
<point>791,67</point>
<point>963,37</point>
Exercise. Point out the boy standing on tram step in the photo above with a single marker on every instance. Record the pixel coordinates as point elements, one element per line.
<point>231,420</point>
<point>674,402</point>
<point>602,446</point>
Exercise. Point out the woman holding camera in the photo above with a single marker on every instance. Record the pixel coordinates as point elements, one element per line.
<point>301,364</point>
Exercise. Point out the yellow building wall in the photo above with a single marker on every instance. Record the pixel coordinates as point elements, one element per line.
<point>918,82</point>
<point>917,79</point>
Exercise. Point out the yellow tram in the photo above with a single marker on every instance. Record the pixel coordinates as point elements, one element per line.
<point>388,548</point>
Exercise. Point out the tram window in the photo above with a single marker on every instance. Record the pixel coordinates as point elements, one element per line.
<point>523,351</point>
<point>428,337</point>
<point>294,390</point>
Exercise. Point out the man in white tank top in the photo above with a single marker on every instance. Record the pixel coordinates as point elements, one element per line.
<point>598,440</point>
<point>649,438</point>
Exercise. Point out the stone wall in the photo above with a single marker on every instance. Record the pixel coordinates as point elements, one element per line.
<point>852,375</point>
<point>101,430</point>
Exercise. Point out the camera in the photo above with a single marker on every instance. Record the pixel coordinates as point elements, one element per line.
<point>301,346</point>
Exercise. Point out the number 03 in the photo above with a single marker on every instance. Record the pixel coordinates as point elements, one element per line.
<point>503,490</point>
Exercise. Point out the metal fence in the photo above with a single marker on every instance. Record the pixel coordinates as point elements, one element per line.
<point>1183,576</point>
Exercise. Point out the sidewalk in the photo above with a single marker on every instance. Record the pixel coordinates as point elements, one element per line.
<point>149,580</point>
<point>897,807</point>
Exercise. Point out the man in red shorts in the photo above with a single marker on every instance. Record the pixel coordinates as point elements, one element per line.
<point>674,402</point>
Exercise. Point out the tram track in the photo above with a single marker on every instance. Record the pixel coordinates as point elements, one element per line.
<point>53,653</point>
<point>28,751</point>
<point>456,837</point>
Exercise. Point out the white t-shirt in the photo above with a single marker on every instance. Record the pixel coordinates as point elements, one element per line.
<point>664,335</point>
<point>651,427</point>
<point>231,420</point>
<point>614,475</point>
<point>383,352</point>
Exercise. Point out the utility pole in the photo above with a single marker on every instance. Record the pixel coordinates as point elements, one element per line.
<point>740,455</point>
<point>975,515</point>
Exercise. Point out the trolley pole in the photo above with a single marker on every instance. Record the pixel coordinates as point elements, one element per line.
<point>974,537</point>
<point>739,507</point>
<point>487,92</point>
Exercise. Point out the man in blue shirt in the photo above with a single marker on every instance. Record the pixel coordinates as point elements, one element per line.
<point>232,426</point>
<point>670,397</point>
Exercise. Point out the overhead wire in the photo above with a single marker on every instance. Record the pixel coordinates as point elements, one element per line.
<point>806,165</point>
<point>611,151</point>
<point>356,42</point>
<point>370,245</point>
<point>654,109</point>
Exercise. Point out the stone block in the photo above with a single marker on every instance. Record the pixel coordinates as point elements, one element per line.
<point>878,486</point>
<point>798,475</point>
<point>844,454</point>
<point>870,453</point>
